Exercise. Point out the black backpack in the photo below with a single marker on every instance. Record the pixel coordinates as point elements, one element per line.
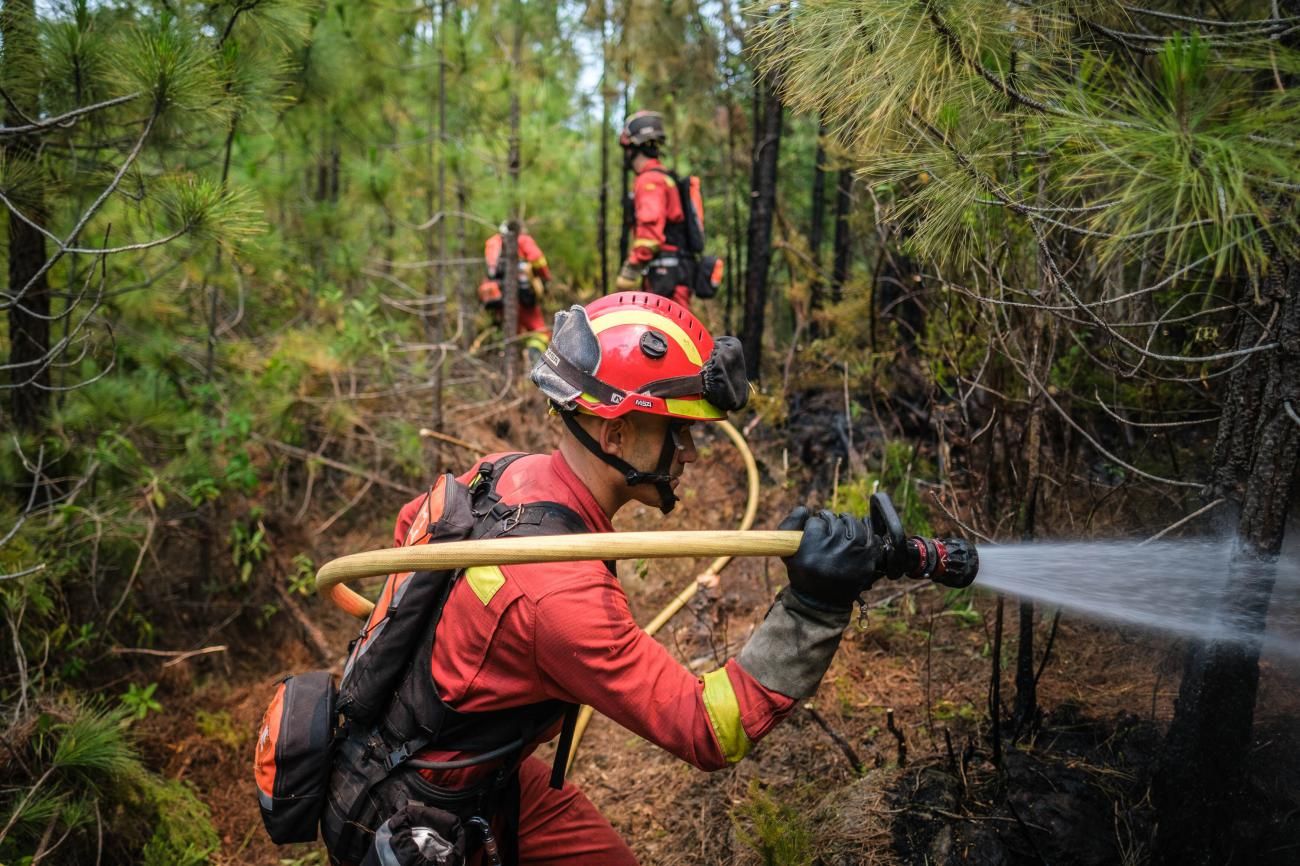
<point>342,759</point>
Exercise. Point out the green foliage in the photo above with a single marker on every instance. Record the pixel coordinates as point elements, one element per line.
<point>248,546</point>
<point>1192,163</point>
<point>960,604</point>
<point>900,470</point>
<point>87,757</point>
<point>183,833</point>
<point>209,210</point>
<point>780,834</point>
<point>303,580</point>
<point>219,727</point>
<point>140,702</point>
<point>946,711</point>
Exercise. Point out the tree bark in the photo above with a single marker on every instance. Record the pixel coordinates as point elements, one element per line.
<point>816,226</point>
<point>1199,790</point>
<point>510,247</point>
<point>435,285</point>
<point>29,311</point>
<point>602,218</point>
<point>767,149</point>
<point>843,238</point>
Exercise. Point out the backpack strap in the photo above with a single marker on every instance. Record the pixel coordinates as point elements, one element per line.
<point>494,519</point>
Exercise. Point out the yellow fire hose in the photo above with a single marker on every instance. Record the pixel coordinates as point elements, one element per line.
<point>724,544</point>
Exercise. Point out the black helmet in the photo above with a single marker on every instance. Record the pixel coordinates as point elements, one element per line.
<point>644,127</point>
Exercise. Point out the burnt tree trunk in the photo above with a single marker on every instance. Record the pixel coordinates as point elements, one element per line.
<point>1202,781</point>
<point>897,284</point>
<point>843,239</point>
<point>816,226</point>
<point>767,149</point>
<point>28,291</point>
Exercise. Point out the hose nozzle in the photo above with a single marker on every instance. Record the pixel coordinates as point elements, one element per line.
<point>951,562</point>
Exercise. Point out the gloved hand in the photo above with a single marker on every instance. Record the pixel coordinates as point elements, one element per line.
<point>836,559</point>
<point>629,277</point>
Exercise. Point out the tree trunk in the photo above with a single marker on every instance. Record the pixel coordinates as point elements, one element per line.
<point>602,219</point>
<point>897,283</point>
<point>29,324</point>
<point>767,148</point>
<point>843,239</point>
<point>435,285</point>
<point>816,226</point>
<point>510,247</point>
<point>464,297</point>
<point>1203,774</point>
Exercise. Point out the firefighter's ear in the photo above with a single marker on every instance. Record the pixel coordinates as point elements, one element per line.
<point>613,436</point>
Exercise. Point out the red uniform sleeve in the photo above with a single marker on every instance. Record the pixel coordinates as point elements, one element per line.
<point>590,650</point>
<point>532,253</point>
<point>650,201</point>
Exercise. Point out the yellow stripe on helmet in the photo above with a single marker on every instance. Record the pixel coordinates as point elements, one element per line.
<point>701,408</point>
<point>724,714</point>
<point>654,320</point>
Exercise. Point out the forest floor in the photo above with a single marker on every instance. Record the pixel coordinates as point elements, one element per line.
<point>1074,790</point>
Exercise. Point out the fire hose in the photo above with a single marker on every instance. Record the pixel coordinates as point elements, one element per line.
<point>952,562</point>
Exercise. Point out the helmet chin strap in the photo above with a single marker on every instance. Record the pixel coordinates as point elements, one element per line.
<point>660,478</point>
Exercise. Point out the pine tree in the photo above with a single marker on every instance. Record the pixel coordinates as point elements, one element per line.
<point>1130,165</point>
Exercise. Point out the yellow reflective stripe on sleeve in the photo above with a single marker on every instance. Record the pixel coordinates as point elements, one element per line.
<point>539,263</point>
<point>485,580</point>
<point>724,714</point>
<point>645,242</point>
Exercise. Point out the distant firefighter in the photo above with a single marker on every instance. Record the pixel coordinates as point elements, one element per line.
<point>533,274</point>
<point>665,218</point>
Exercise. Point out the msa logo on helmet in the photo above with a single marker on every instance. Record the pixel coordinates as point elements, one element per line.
<point>644,404</point>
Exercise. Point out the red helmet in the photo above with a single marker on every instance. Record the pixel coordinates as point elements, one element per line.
<point>639,352</point>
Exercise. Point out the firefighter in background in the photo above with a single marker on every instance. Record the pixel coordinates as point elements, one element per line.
<point>665,218</point>
<point>533,274</point>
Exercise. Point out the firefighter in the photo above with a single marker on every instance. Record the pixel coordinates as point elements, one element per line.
<point>534,273</point>
<point>656,218</point>
<point>629,376</point>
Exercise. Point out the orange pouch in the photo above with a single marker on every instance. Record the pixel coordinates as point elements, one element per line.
<point>295,744</point>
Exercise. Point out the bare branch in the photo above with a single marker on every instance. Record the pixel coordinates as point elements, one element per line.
<point>85,217</point>
<point>66,119</point>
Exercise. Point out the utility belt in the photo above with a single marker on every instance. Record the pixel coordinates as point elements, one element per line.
<point>377,814</point>
<point>526,286</point>
<point>673,268</point>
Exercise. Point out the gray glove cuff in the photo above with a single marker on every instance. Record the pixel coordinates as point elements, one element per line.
<point>793,646</point>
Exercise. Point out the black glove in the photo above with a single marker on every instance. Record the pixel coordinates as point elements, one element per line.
<point>836,559</point>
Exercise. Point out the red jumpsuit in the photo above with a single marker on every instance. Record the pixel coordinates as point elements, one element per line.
<point>656,203</point>
<point>532,263</point>
<point>521,634</point>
